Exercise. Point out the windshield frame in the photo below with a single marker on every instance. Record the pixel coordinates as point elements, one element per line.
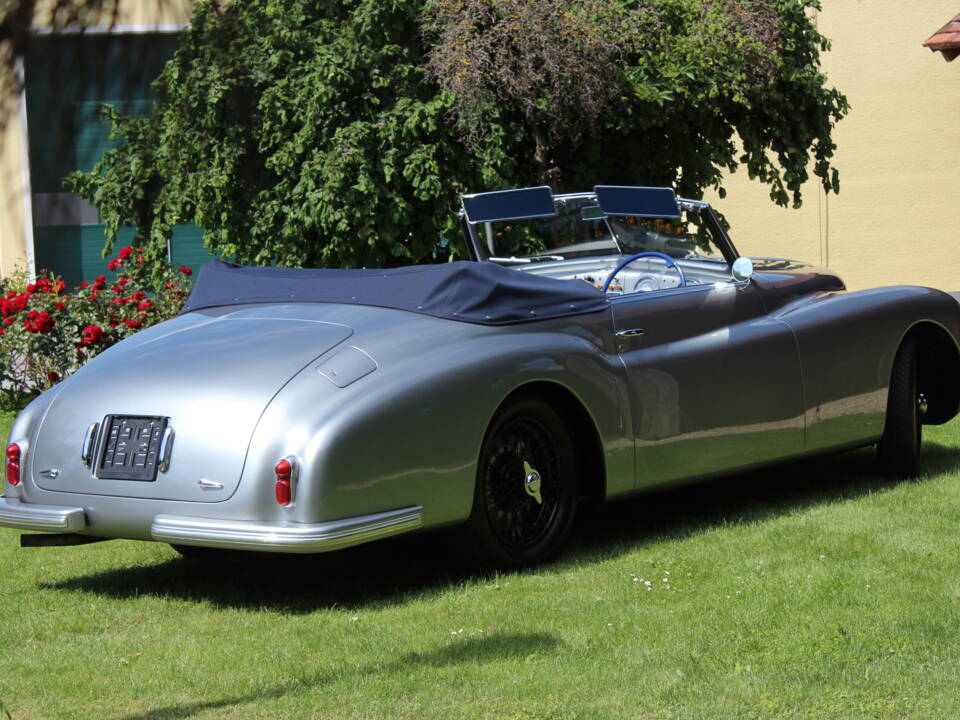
<point>481,252</point>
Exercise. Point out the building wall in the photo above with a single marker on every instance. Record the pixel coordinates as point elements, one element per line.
<point>895,220</point>
<point>129,12</point>
<point>133,16</point>
<point>12,238</point>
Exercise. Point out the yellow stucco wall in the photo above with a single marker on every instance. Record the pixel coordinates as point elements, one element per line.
<point>132,14</point>
<point>12,245</point>
<point>895,219</point>
<point>129,12</point>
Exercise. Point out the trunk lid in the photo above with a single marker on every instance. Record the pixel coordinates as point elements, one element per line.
<point>210,374</point>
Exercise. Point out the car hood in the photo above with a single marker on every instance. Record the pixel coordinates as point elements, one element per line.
<point>211,374</point>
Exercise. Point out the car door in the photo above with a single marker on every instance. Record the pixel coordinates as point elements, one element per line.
<point>714,381</point>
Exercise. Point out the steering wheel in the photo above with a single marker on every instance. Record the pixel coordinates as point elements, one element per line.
<point>670,262</point>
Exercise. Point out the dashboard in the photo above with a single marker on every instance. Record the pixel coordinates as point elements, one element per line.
<point>642,275</point>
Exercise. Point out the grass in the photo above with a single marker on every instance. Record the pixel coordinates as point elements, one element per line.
<point>806,591</point>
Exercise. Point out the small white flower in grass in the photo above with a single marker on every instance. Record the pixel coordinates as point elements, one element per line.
<point>354,618</point>
<point>823,557</point>
<point>647,583</point>
<point>665,580</point>
<point>738,593</point>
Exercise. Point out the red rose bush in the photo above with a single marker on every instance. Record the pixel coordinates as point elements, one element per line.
<point>46,332</point>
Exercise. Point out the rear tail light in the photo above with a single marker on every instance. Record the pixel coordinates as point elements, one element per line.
<point>13,464</point>
<point>283,489</point>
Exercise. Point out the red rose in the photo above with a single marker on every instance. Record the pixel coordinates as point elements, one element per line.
<point>117,289</point>
<point>100,282</point>
<point>123,281</point>
<point>32,314</point>
<point>145,305</point>
<point>139,259</point>
<point>11,295</point>
<point>8,321</point>
<point>44,323</point>
<point>59,287</point>
<point>84,284</point>
<point>125,252</point>
<point>185,270</point>
<point>53,377</point>
<point>19,302</point>
<point>113,264</point>
<point>170,284</point>
<point>31,288</point>
<point>132,323</point>
<point>92,334</point>
<point>60,305</point>
<point>138,295</point>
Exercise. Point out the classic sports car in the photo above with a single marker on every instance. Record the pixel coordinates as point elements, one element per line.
<point>599,344</point>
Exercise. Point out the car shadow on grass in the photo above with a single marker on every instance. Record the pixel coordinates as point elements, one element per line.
<point>391,572</point>
<point>457,651</point>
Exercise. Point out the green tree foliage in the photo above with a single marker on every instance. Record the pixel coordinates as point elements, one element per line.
<point>306,132</point>
<point>297,132</point>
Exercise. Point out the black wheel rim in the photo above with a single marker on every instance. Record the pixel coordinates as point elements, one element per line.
<point>515,516</point>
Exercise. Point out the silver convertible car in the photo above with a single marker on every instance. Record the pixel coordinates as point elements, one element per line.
<point>599,344</point>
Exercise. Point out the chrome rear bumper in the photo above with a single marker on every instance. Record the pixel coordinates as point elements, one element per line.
<point>284,537</point>
<point>50,518</point>
<point>237,534</point>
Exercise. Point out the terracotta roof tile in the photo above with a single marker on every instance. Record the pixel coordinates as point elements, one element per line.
<point>946,39</point>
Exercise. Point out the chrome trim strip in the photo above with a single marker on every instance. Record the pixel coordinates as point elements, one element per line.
<point>52,518</point>
<point>166,445</point>
<point>86,454</point>
<point>284,536</point>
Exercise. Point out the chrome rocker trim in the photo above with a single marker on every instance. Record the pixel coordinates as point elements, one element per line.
<point>51,518</point>
<point>284,537</point>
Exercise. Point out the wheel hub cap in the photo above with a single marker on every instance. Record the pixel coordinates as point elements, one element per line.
<point>532,482</point>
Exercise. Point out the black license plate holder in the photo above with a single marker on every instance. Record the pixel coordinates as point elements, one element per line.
<point>130,447</point>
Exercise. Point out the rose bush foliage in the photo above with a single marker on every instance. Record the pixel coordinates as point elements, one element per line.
<point>48,332</point>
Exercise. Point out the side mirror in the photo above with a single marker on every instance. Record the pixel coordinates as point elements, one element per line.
<point>742,269</point>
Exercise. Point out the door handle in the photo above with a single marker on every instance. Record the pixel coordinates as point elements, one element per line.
<point>634,332</point>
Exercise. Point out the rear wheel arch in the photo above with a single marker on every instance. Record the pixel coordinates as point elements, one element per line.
<point>586,444</point>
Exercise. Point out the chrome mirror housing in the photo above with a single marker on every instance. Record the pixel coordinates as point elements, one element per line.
<point>742,269</point>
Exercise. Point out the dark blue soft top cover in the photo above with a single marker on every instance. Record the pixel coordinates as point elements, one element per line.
<point>475,292</point>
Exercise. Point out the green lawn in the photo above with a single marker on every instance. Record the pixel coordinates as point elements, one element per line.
<point>815,590</point>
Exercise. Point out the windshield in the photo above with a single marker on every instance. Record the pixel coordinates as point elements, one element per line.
<point>580,229</point>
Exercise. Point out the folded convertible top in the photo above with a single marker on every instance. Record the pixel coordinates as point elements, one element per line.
<point>475,292</point>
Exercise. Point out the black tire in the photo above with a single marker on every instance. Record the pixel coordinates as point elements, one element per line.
<point>899,449</point>
<point>508,527</point>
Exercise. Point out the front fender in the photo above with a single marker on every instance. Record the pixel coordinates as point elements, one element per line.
<point>847,343</point>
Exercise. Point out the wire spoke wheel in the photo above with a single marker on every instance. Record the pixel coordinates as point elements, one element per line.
<point>524,499</point>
